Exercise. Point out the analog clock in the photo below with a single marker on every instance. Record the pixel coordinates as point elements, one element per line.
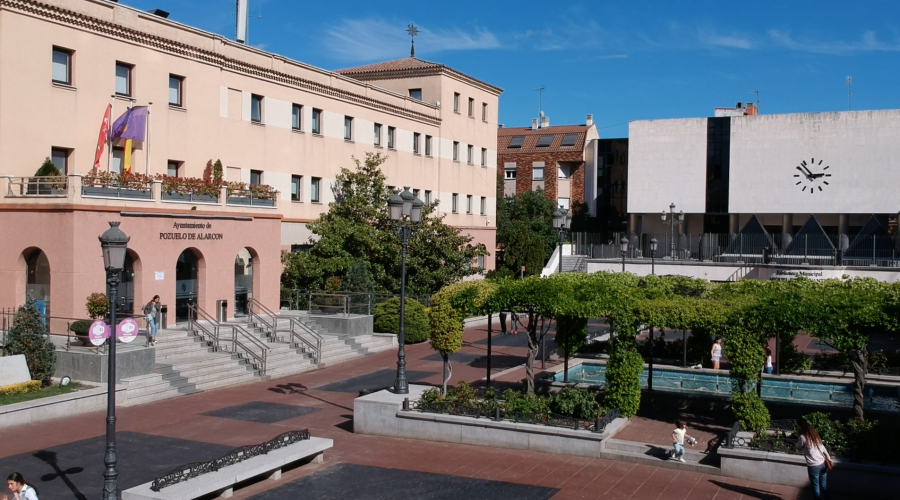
<point>812,176</point>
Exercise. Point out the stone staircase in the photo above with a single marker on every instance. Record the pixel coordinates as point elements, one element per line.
<point>574,263</point>
<point>186,363</point>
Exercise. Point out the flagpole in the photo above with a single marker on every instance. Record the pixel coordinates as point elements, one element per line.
<point>147,144</point>
<point>112,114</point>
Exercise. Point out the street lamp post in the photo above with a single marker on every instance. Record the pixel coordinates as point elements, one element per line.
<point>114,244</point>
<point>623,243</point>
<point>405,208</point>
<point>561,222</point>
<point>653,244</point>
<point>672,221</point>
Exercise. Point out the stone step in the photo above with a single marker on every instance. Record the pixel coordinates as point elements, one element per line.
<point>657,456</point>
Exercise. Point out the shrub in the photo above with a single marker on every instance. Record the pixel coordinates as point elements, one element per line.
<point>791,360</point>
<point>387,320</point>
<point>47,169</point>
<point>462,394</point>
<point>750,411</point>
<point>623,385</point>
<point>831,431</point>
<point>571,333</point>
<point>830,361</point>
<point>698,347</point>
<point>516,402</point>
<point>576,402</point>
<point>28,336</point>
<point>80,327</point>
<point>21,388</point>
<point>97,305</point>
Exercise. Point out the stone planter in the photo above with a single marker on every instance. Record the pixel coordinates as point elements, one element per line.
<point>113,192</point>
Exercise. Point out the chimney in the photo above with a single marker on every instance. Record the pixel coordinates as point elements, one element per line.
<point>545,122</point>
<point>243,9</point>
<point>534,124</point>
<point>589,120</point>
<point>499,125</point>
<point>159,12</point>
<point>751,110</point>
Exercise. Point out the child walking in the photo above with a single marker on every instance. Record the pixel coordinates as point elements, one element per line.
<point>678,436</point>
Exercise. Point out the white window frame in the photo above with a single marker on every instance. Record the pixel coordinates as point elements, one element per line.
<point>348,128</point>
<point>179,90</point>
<point>297,111</point>
<point>258,101</point>
<point>315,189</point>
<point>456,151</point>
<point>66,65</point>
<point>507,171</point>
<point>376,132</point>
<point>297,196</point>
<point>316,121</point>
<point>392,139</point>
<point>417,137</point>
<point>454,203</point>
<point>129,77</point>
<point>427,145</point>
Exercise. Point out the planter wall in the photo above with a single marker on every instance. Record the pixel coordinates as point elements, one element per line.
<point>190,198</point>
<point>116,193</point>
<point>256,202</point>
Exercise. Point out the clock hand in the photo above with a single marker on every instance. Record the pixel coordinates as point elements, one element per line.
<point>816,176</point>
<point>807,173</point>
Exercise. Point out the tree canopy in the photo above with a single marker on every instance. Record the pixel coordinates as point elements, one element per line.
<point>525,231</point>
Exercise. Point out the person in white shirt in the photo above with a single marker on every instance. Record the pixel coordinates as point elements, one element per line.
<point>818,460</point>
<point>769,368</point>
<point>678,436</point>
<point>716,353</point>
<point>19,488</point>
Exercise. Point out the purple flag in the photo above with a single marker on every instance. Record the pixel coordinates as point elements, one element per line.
<point>131,125</point>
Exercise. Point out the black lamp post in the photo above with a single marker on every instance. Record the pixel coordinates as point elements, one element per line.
<point>561,222</point>
<point>672,221</point>
<point>653,244</point>
<point>624,244</point>
<point>404,208</point>
<point>114,244</point>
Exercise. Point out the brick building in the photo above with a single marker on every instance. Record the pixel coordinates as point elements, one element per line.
<point>552,158</point>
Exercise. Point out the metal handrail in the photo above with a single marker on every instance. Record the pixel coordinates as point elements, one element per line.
<point>271,327</point>
<point>297,338</point>
<point>194,312</point>
<point>235,344</point>
<point>51,186</point>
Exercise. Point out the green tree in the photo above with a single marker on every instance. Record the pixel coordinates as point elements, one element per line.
<point>357,227</point>
<point>359,280</point>
<point>387,320</point>
<point>28,336</point>
<point>47,169</point>
<point>525,231</point>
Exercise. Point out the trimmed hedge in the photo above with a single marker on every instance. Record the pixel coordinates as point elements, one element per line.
<point>21,388</point>
<point>387,320</point>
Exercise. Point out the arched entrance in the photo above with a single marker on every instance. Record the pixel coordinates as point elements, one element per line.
<point>37,279</point>
<point>187,286</point>
<point>243,282</point>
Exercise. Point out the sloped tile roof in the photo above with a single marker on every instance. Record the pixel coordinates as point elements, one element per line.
<point>505,135</point>
<point>409,67</point>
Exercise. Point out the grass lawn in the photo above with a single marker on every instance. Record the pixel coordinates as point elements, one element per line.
<point>53,390</point>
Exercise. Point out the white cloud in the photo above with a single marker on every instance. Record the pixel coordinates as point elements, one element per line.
<point>378,39</point>
<point>869,42</point>
<point>725,41</point>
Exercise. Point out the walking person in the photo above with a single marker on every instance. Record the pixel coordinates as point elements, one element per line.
<point>678,436</point>
<point>20,489</point>
<point>502,322</point>
<point>716,353</point>
<point>513,323</point>
<point>151,310</point>
<point>768,366</point>
<point>818,461</point>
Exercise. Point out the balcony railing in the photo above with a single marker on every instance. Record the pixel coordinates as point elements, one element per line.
<point>50,186</point>
<point>135,189</point>
<point>250,197</point>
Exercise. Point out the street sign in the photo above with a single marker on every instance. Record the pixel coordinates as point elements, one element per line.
<point>127,330</point>
<point>98,332</point>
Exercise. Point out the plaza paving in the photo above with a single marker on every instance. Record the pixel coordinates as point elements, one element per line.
<point>65,457</point>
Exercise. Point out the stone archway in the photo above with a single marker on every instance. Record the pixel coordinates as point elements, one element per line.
<point>37,278</point>
<point>246,271</point>
<point>187,282</point>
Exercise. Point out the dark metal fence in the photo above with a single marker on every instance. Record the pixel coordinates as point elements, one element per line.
<point>356,303</point>
<point>826,250</point>
<point>493,411</point>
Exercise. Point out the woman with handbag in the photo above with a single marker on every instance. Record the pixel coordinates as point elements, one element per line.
<point>818,461</point>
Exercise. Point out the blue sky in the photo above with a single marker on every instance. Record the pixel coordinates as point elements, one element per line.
<point>618,60</point>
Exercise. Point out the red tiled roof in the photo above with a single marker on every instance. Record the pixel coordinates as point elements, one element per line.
<point>409,67</point>
<point>505,135</point>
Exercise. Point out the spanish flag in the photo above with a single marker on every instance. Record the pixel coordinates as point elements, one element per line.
<point>126,164</point>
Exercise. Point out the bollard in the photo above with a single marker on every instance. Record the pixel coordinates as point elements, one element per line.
<point>597,425</point>
<point>405,404</point>
<point>496,414</point>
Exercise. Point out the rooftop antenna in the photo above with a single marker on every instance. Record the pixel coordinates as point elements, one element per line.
<point>540,92</point>
<point>413,31</point>
<point>849,82</point>
<point>757,98</point>
<point>242,21</point>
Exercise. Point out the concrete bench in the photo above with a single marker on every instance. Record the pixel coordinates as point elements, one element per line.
<point>224,480</point>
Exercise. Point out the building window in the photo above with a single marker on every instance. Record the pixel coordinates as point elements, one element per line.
<point>118,158</point>
<point>295,187</point>
<point>468,203</point>
<point>296,117</point>
<point>471,108</point>
<point>427,196</point>
<point>455,151</point>
<point>564,172</point>
<point>416,193</point>
<point>537,174</point>
<point>415,93</point>
<point>348,128</point>
<point>470,154</point>
<point>303,248</point>
<point>484,111</point>
<point>455,199</point>
<point>317,121</point>
<point>483,157</point>
<point>569,140</point>
<point>62,66</point>
<point>416,137</point>
<point>314,185</point>
<point>377,132</point>
<point>173,168</point>
<point>483,205</point>
<point>391,133</point>
<point>510,173</point>
<point>176,86</point>
<point>60,159</point>
<point>427,145</point>
<point>256,108</point>
<point>481,261</point>
<point>516,142</point>
<point>455,102</point>
<point>256,177</point>
<point>123,78</point>
<point>544,141</point>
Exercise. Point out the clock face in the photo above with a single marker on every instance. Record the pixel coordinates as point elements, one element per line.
<point>812,176</point>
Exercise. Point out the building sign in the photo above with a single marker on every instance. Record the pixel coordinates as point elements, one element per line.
<point>195,231</point>
<point>810,274</point>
